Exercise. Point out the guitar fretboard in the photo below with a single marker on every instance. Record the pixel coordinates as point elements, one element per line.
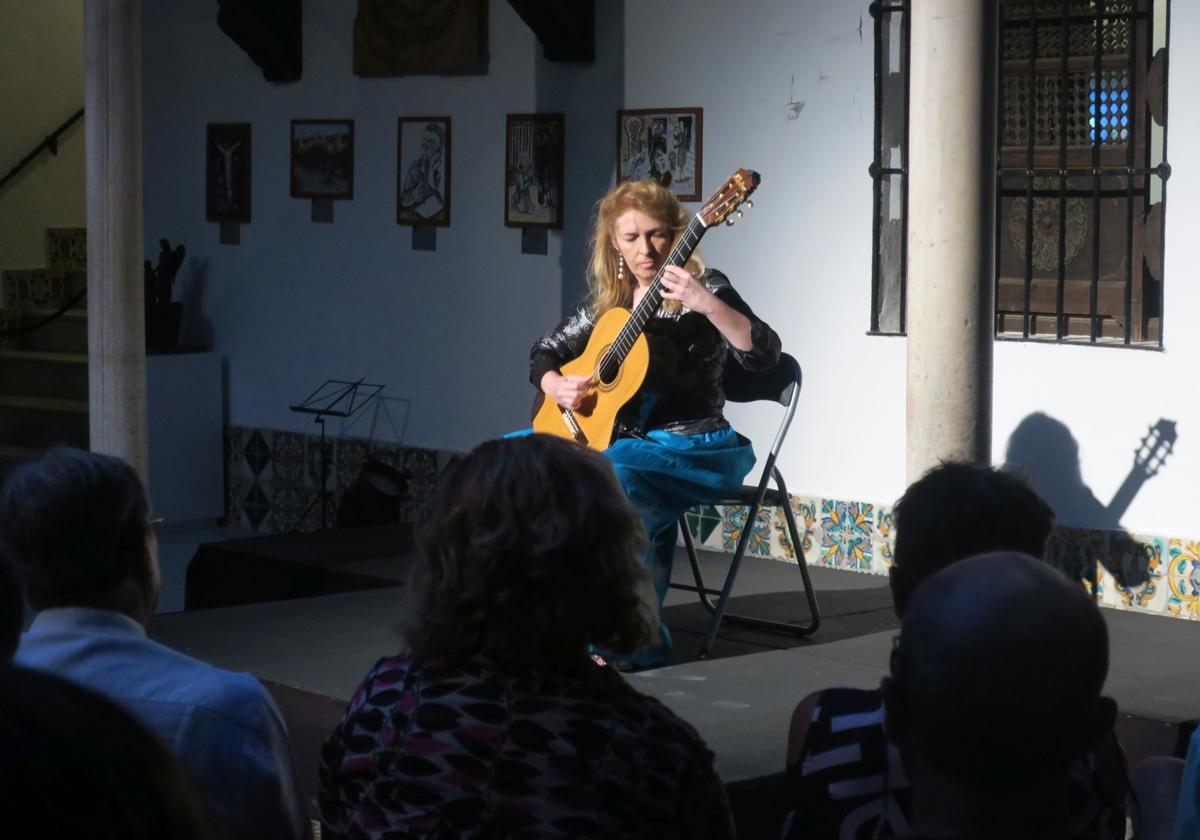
<point>650,302</point>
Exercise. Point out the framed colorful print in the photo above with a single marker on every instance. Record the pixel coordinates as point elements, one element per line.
<point>423,171</point>
<point>227,173</point>
<point>533,171</point>
<point>664,144</point>
<point>322,159</point>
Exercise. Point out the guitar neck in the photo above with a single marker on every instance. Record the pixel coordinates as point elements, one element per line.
<point>652,300</point>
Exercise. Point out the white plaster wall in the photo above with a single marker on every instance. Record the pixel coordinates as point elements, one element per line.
<point>298,302</point>
<point>1108,398</point>
<point>41,85</point>
<point>802,256</point>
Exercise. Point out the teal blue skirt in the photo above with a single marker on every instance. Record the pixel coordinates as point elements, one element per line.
<point>664,475</point>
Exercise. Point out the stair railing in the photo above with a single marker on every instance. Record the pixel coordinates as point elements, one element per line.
<point>41,322</point>
<point>49,143</point>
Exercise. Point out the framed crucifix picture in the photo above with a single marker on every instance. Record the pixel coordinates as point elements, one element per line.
<point>665,145</point>
<point>227,173</point>
<point>423,171</point>
<point>533,171</point>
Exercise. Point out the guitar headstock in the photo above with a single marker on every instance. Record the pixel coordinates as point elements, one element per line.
<point>732,194</point>
<point>1155,447</point>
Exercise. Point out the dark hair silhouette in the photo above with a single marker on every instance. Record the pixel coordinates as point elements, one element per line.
<point>12,610</point>
<point>75,523</point>
<point>956,510</point>
<point>74,764</point>
<point>527,553</point>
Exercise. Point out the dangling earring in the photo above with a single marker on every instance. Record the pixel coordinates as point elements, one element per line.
<point>620,267</point>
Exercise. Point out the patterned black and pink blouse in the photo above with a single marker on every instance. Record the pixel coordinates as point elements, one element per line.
<point>466,751</point>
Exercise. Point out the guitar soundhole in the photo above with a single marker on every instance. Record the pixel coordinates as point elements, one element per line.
<point>607,373</point>
<point>608,370</point>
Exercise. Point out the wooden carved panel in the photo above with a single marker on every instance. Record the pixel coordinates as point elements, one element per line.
<point>411,37</point>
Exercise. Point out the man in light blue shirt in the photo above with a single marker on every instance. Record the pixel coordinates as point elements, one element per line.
<point>77,524</point>
<point>1188,821</point>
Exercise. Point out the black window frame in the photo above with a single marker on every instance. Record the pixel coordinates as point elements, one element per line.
<point>880,170</point>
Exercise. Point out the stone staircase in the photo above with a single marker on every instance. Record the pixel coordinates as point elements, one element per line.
<point>44,373</point>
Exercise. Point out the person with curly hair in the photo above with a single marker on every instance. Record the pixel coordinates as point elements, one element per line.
<point>494,721</point>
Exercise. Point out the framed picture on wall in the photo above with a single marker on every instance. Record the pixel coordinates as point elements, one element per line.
<point>423,171</point>
<point>664,144</point>
<point>533,171</point>
<point>322,159</point>
<point>227,173</point>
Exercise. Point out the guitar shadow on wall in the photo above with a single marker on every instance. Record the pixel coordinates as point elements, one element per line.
<point>1043,450</point>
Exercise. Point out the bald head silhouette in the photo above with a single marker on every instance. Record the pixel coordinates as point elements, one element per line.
<point>996,680</point>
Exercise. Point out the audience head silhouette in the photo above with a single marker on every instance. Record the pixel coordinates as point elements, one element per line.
<point>12,610</point>
<point>74,764</point>
<point>528,553</point>
<point>77,525</point>
<point>995,690</point>
<point>958,510</point>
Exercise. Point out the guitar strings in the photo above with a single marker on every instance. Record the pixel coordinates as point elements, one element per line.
<point>651,301</point>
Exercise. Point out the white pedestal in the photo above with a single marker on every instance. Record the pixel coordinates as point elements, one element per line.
<point>185,415</point>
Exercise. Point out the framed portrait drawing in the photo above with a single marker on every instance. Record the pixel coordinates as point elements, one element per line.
<point>664,144</point>
<point>533,171</point>
<point>227,173</point>
<point>322,159</point>
<point>423,171</point>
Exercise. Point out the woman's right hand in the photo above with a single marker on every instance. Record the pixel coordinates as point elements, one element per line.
<point>568,391</point>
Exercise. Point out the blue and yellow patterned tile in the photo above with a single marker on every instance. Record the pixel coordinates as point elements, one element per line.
<point>847,530</point>
<point>804,511</point>
<point>884,538</point>
<point>1135,578</point>
<point>733,520</point>
<point>1183,578</point>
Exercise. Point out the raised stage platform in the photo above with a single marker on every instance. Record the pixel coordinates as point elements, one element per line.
<point>314,651</point>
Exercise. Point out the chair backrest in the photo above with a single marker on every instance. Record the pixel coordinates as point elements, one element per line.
<point>779,383</point>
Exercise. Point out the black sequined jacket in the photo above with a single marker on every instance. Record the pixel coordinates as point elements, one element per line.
<point>682,392</point>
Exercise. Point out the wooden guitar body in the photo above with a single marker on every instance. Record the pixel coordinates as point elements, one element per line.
<point>592,423</point>
<point>617,355</point>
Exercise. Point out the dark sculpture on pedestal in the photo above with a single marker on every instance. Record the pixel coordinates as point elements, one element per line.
<point>163,316</point>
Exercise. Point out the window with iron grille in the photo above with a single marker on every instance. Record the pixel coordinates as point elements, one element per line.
<point>889,169</point>
<point>1081,180</point>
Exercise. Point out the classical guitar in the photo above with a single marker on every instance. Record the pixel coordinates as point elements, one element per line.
<point>617,355</point>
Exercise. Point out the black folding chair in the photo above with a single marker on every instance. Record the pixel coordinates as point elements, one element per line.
<point>780,384</point>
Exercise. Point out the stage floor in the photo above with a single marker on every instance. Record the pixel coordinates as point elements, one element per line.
<point>740,701</point>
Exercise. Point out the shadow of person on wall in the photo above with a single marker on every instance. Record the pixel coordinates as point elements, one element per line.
<point>1044,451</point>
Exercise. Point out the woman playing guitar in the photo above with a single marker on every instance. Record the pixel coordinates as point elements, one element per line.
<point>672,447</point>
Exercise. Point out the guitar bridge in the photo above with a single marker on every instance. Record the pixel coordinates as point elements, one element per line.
<point>568,417</point>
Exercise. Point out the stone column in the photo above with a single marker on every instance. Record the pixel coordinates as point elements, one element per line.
<point>950,299</point>
<point>116,318</point>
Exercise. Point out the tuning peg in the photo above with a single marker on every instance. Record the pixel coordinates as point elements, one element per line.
<point>749,205</point>
<point>739,214</point>
<point>729,222</point>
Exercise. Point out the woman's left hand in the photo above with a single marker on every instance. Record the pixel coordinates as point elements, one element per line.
<point>679,285</point>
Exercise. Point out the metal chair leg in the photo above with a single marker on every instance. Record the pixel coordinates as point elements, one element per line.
<point>736,561</point>
<point>741,620</point>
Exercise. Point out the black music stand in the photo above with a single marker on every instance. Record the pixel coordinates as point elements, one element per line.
<point>334,398</point>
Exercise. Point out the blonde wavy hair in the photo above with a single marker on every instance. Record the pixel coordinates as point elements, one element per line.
<point>650,197</point>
